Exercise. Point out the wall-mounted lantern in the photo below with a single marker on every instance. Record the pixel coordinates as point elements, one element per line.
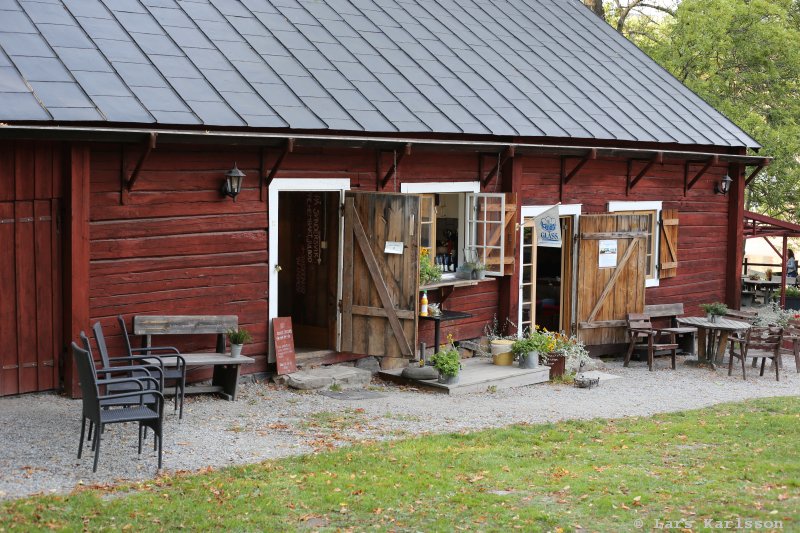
<point>233,182</point>
<point>723,186</point>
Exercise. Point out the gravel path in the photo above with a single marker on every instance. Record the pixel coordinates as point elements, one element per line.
<point>38,443</point>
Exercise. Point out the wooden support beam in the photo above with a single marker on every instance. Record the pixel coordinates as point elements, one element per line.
<point>658,158</point>
<point>508,154</point>
<point>755,172</point>
<point>150,145</point>
<point>711,162</point>
<point>780,255</point>
<point>287,149</point>
<point>590,155</point>
<point>783,277</point>
<point>393,170</point>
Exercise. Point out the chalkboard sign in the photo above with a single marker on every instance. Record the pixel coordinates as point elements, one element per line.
<point>284,345</point>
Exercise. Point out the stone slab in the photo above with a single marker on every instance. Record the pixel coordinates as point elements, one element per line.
<point>323,377</point>
<point>352,394</point>
<point>604,376</point>
<point>477,375</point>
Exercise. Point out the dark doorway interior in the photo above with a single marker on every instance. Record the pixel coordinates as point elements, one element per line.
<point>308,251</point>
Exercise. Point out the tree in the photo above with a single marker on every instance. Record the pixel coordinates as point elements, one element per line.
<point>743,57</point>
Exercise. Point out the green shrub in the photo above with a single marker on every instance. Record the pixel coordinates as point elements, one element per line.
<point>239,336</point>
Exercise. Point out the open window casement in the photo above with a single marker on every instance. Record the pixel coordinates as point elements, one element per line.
<point>490,231</point>
<point>668,256</point>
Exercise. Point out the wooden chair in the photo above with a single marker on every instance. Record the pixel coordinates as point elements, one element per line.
<point>760,342</point>
<point>643,335</point>
<point>792,333</point>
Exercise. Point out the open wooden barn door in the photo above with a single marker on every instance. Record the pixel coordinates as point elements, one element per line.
<point>611,275</point>
<point>380,279</point>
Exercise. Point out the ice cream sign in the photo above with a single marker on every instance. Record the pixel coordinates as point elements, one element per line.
<point>548,228</point>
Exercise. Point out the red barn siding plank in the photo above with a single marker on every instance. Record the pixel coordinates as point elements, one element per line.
<point>43,171</point>
<point>45,357</point>
<point>24,171</point>
<point>26,296</point>
<point>7,168</point>
<point>158,264</point>
<point>125,229</point>
<point>192,244</point>
<point>9,364</point>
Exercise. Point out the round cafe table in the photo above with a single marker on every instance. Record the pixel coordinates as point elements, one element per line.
<point>712,336</point>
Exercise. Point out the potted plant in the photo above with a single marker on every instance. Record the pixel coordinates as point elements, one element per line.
<point>754,276</point>
<point>792,298</point>
<point>499,343</point>
<point>478,270</point>
<point>448,363</point>
<point>768,274</point>
<point>428,273</point>
<point>714,310</point>
<point>238,338</point>
<point>529,348</point>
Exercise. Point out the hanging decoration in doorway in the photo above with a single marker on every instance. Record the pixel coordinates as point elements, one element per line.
<point>313,228</point>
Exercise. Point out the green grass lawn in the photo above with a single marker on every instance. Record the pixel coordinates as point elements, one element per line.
<point>731,461</point>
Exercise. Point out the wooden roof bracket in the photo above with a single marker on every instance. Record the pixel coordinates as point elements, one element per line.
<point>508,154</point>
<point>657,158</point>
<point>126,180</point>
<point>565,178</point>
<point>287,149</point>
<point>687,184</point>
<point>756,171</point>
<point>393,169</point>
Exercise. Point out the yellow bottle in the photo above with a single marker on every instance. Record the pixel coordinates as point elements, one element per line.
<point>423,304</point>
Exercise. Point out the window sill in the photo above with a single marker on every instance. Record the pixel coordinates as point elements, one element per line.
<point>453,282</point>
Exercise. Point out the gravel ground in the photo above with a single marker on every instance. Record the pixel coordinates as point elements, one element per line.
<point>40,431</point>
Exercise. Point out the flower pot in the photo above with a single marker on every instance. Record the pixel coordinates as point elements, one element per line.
<point>236,350</point>
<point>448,380</point>
<point>501,352</point>
<point>531,360</point>
<point>557,362</point>
<point>479,274</point>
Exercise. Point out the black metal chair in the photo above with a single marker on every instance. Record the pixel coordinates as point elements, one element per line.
<point>147,410</point>
<point>175,374</point>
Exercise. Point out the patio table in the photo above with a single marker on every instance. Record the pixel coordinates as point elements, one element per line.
<point>767,286</point>
<point>712,337</point>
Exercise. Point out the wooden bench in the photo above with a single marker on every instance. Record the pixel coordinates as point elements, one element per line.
<point>686,335</point>
<point>225,380</point>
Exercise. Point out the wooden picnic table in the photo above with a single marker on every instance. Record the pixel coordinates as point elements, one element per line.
<point>766,286</point>
<point>712,336</point>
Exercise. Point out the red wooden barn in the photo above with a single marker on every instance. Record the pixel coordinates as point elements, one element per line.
<point>367,131</point>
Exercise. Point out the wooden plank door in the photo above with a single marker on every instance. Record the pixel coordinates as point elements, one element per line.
<point>606,294</point>
<point>380,290</point>
<point>30,307</point>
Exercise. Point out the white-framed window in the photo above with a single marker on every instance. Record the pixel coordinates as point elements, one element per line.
<point>653,211</point>
<point>477,219</point>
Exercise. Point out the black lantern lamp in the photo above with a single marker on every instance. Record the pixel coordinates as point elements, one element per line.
<point>233,182</point>
<point>723,186</point>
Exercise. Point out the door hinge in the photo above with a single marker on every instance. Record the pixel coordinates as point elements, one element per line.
<point>340,306</point>
<point>341,210</point>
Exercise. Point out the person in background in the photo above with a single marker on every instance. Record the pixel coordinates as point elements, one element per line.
<point>791,265</point>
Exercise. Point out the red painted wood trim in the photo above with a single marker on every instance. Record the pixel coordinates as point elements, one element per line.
<point>783,273</point>
<point>735,241</point>
<point>508,286</point>
<point>76,281</point>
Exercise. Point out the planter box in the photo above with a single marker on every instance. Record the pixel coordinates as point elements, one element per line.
<point>792,302</point>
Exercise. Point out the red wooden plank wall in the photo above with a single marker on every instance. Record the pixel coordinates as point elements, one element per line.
<point>30,267</point>
<point>176,246</point>
<point>703,231</point>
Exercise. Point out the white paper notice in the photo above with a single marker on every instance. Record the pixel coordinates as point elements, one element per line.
<point>393,247</point>
<point>608,254</point>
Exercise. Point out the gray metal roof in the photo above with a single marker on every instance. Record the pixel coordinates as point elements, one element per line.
<point>533,68</point>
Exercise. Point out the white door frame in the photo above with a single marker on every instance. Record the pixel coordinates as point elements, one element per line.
<point>277,186</point>
<point>529,211</point>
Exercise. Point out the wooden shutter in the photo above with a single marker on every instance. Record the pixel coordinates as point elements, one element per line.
<point>668,255</point>
<point>510,237</point>
<point>607,295</point>
<point>380,291</point>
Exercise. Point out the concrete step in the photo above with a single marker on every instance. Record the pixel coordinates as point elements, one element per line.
<point>323,377</point>
<point>477,375</point>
